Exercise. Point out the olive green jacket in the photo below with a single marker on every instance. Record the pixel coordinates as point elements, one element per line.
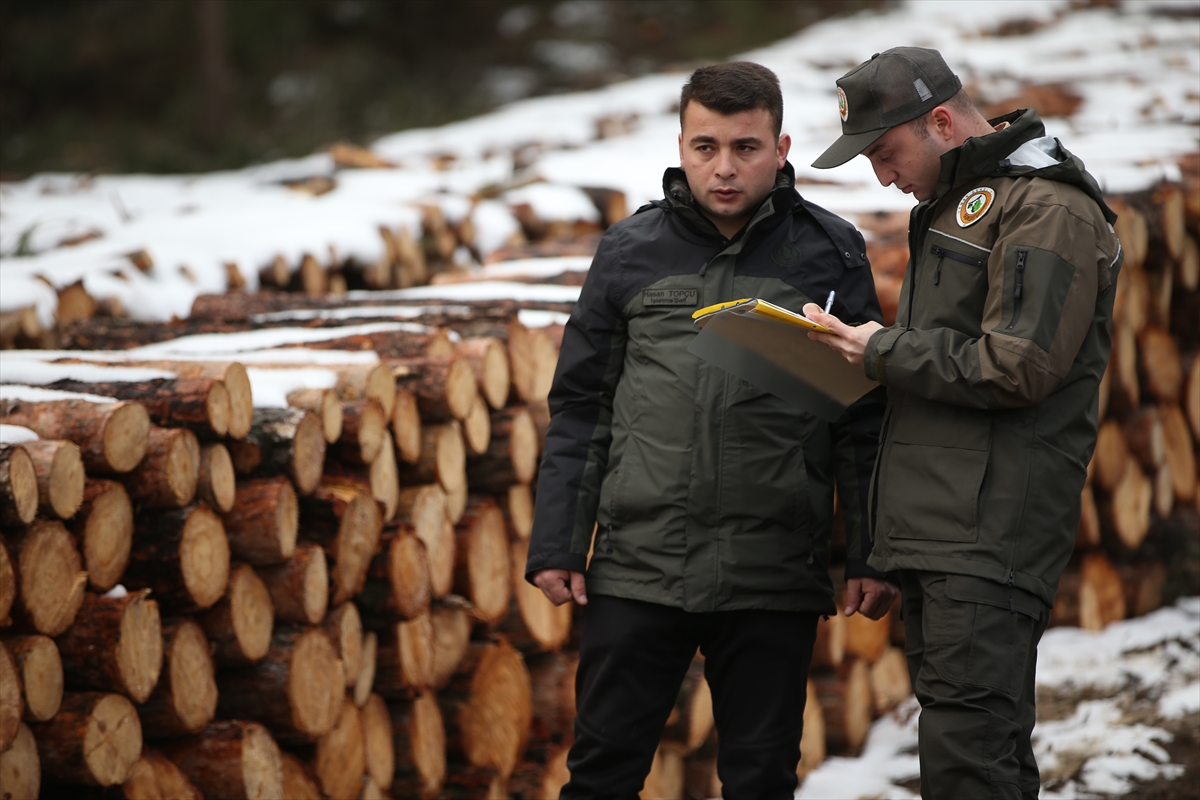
<point>709,493</point>
<point>993,366</point>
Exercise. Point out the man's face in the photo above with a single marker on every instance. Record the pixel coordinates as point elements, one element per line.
<point>730,162</point>
<point>903,158</point>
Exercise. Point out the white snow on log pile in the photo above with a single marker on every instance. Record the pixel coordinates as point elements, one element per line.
<point>533,318</point>
<point>359,312</point>
<point>15,434</point>
<point>1134,71</point>
<point>36,394</point>
<point>227,345</point>
<point>1139,677</point>
<point>479,291</point>
<point>270,387</point>
<point>39,372</point>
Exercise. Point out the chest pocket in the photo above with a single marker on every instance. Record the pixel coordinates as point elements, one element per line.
<point>953,289</point>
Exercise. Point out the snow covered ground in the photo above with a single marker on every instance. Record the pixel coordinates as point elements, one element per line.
<point>1109,705</point>
<point>1134,70</point>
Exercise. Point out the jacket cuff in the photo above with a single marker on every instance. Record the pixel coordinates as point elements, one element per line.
<point>859,568</point>
<point>875,356</point>
<point>567,561</point>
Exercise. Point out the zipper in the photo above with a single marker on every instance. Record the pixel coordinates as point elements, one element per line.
<point>942,253</point>
<point>1018,288</point>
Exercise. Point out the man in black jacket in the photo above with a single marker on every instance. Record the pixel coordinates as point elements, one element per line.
<point>711,500</point>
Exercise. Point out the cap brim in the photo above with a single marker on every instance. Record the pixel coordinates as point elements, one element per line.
<point>847,147</point>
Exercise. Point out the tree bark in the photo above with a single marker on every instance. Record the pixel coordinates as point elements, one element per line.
<point>442,460</point>
<point>240,625</point>
<point>58,466</point>
<point>232,759</point>
<point>444,387</point>
<point>299,588</point>
<point>296,690</point>
<point>185,700</point>
<point>168,474</point>
<point>8,582</point>
<point>111,437</point>
<point>420,747</point>
<point>41,675</point>
<point>511,456</point>
<point>115,645</point>
<point>95,738</point>
<point>50,579</point>
<point>263,522</point>
<point>199,404</point>
<point>182,555</point>
<point>19,487</point>
<point>483,573</point>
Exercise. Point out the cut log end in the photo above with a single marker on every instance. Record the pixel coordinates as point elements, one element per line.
<point>41,670</point>
<point>377,741</point>
<point>406,426</point>
<point>241,400</point>
<point>194,687</point>
<point>204,557</point>
<point>20,767</point>
<point>344,626</point>
<point>12,704</point>
<point>154,777</point>
<point>18,486</point>
<point>107,532</point>
<point>140,650</point>
<point>252,612</point>
<point>60,476</point>
<point>341,758</point>
<point>217,484</point>
<point>316,683</point>
<point>308,456</point>
<point>125,437</point>
<point>112,742</point>
<point>50,577</point>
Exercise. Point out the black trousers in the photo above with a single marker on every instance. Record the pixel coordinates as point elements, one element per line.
<point>632,660</point>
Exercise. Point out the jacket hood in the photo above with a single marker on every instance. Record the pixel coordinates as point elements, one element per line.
<point>1021,149</point>
<point>678,198</point>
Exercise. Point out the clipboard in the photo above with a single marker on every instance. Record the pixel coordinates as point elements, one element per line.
<point>768,346</point>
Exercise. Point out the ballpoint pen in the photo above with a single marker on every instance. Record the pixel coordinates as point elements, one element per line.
<point>829,302</point>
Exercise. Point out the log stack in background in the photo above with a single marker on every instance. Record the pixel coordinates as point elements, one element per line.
<point>327,599</point>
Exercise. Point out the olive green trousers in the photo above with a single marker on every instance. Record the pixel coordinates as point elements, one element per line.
<point>972,652</point>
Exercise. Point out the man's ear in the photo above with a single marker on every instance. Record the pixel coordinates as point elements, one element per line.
<point>782,147</point>
<point>941,123</point>
<point>681,148</point>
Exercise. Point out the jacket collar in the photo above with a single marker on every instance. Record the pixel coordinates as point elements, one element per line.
<point>779,201</point>
<point>997,155</point>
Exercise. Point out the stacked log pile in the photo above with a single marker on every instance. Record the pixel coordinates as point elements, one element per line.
<point>327,599</point>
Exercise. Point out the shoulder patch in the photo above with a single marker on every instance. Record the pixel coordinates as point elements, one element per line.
<point>786,254</point>
<point>974,205</point>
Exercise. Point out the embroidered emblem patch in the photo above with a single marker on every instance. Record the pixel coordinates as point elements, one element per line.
<point>974,205</point>
<point>670,297</point>
<point>786,254</point>
<point>843,109</point>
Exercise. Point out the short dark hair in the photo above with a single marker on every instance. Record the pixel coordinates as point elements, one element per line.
<point>734,87</point>
<point>961,102</point>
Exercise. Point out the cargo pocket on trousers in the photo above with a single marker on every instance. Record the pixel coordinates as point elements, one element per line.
<point>932,492</point>
<point>1001,631</point>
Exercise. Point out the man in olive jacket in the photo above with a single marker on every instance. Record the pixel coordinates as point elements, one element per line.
<point>992,369</point>
<point>711,499</point>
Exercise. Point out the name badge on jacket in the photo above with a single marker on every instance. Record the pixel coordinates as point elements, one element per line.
<point>670,297</point>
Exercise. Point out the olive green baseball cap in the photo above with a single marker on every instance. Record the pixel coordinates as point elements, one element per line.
<point>893,87</point>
